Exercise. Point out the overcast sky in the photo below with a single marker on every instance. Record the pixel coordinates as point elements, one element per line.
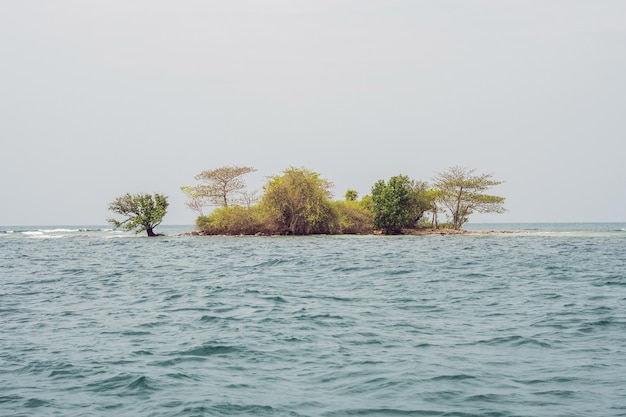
<point>100,98</point>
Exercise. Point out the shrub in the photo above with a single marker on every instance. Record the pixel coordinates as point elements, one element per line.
<point>354,218</point>
<point>233,220</point>
<point>298,203</point>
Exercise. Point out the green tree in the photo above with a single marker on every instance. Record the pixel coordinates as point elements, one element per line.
<point>351,195</point>
<point>421,200</point>
<point>392,204</point>
<point>432,196</point>
<point>461,192</point>
<point>222,184</point>
<point>143,212</point>
<point>298,203</point>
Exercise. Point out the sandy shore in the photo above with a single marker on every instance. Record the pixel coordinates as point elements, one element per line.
<point>443,232</point>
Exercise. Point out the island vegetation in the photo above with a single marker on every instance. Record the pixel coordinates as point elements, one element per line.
<point>462,193</point>
<point>143,212</point>
<point>299,202</point>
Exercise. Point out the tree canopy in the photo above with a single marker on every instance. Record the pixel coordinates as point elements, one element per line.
<point>351,195</point>
<point>222,185</point>
<point>143,212</point>
<point>392,202</point>
<point>298,202</point>
<point>462,192</point>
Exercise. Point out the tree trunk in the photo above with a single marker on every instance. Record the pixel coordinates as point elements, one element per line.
<point>457,212</point>
<point>150,231</point>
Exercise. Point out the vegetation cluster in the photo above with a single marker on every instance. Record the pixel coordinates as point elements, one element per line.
<point>143,212</point>
<point>299,202</point>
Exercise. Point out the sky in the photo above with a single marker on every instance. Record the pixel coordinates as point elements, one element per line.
<point>100,98</point>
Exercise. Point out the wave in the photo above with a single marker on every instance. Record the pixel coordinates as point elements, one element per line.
<point>55,232</point>
<point>102,232</point>
<point>60,230</point>
<point>124,384</point>
<point>513,340</point>
<point>210,350</point>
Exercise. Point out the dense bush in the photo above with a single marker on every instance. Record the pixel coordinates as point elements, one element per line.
<point>298,203</point>
<point>392,204</point>
<point>234,220</point>
<point>354,217</point>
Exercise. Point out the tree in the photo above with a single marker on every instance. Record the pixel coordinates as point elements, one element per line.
<point>351,195</point>
<point>432,196</point>
<point>399,203</point>
<point>392,204</point>
<point>421,200</point>
<point>222,184</point>
<point>462,193</point>
<point>248,198</point>
<point>195,200</point>
<point>143,212</point>
<point>298,203</point>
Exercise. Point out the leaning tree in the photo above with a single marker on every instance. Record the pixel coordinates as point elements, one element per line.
<point>462,193</point>
<point>143,212</point>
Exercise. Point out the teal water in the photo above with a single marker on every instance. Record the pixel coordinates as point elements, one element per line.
<point>95,322</point>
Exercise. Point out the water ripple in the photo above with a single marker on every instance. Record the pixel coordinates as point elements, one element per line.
<point>519,325</point>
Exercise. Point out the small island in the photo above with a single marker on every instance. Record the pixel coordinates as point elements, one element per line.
<point>298,202</point>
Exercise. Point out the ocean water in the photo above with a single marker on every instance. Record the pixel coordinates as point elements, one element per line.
<point>95,322</point>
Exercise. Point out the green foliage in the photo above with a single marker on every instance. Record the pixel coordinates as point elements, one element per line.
<point>427,222</point>
<point>399,203</point>
<point>462,193</point>
<point>392,204</point>
<point>233,220</point>
<point>422,200</point>
<point>351,195</point>
<point>298,203</point>
<point>354,217</point>
<point>143,212</point>
<point>367,203</point>
<point>431,196</point>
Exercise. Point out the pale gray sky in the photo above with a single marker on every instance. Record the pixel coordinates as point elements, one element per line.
<point>99,98</point>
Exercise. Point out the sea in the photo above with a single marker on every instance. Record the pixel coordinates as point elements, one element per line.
<point>527,321</point>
